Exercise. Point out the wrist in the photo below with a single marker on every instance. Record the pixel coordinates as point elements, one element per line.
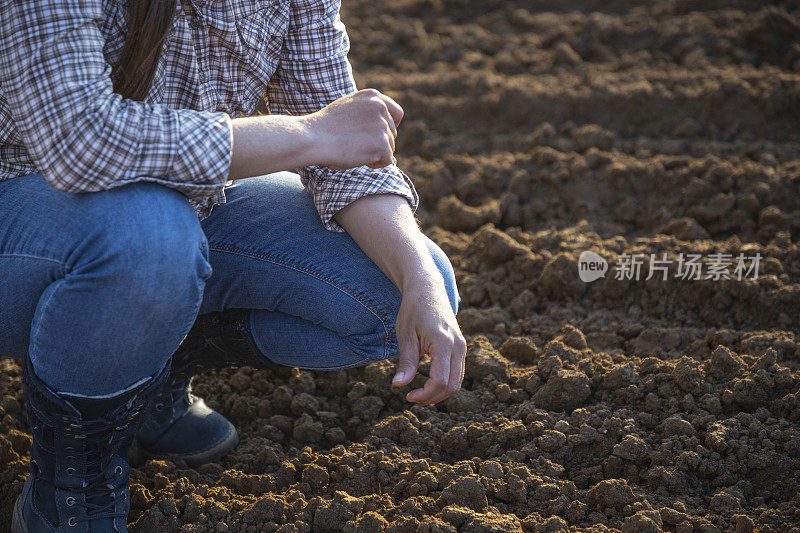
<point>269,143</point>
<point>424,279</point>
<point>312,138</point>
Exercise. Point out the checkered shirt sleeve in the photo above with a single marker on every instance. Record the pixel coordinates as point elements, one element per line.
<point>313,72</point>
<point>82,136</point>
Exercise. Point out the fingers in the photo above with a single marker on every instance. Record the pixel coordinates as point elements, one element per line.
<point>457,365</point>
<point>447,371</point>
<point>390,137</point>
<point>382,162</point>
<point>391,134</point>
<point>391,125</point>
<point>408,361</point>
<point>436,387</point>
<point>386,154</point>
<point>391,114</point>
<point>394,109</point>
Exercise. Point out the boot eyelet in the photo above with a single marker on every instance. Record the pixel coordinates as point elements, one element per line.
<point>118,470</point>
<point>159,406</point>
<point>71,471</point>
<point>70,501</point>
<point>72,522</point>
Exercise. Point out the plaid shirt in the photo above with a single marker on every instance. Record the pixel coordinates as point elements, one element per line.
<point>60,116</point>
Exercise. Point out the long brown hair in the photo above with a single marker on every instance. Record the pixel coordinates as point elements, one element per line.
<point>148,23</point>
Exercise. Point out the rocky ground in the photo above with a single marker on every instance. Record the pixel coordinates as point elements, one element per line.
<point>536,130</point>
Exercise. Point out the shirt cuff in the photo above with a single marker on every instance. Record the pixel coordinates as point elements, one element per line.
<point>334,190</point>
<point>216,152</point>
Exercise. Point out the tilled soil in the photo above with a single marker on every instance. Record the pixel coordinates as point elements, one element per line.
<point>536,130</point>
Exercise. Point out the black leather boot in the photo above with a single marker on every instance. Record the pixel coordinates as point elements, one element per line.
<point>180,422</point>
<point>79,457</point>
<point>219,340</point>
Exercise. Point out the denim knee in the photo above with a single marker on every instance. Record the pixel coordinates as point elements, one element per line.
<point>132,264</point>
<point>155,245</point>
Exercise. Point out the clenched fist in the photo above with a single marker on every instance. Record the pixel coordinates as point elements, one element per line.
<point>357,129</point>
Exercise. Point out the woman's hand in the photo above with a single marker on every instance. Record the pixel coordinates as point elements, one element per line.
<point>357,129</point>
<point>426,324</point>
<point>384,227</point>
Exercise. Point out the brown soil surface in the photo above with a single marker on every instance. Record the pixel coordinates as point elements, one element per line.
<point>535,130</point>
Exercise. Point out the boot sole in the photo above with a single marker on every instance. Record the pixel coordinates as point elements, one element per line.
<point>207,456</point>
<point>17,523</point>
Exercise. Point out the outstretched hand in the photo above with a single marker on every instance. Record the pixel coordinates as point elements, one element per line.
<point>426,324</point>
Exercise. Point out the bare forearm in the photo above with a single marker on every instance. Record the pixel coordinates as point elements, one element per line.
<point>384,227</point>
<point>360,129</point>
<point>357,129</point>
<point>271,143</point>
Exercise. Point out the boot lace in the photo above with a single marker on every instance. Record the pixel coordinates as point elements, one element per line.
<point>175,391</point>
<point>100,487</point>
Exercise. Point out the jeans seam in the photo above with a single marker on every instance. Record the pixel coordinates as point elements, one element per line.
<point>319,276</point>
<point>39,258</point>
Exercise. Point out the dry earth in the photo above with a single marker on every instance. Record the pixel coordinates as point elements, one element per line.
<point>535,130</point>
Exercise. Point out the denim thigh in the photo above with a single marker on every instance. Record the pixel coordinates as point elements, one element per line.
<point>98,288</point>
<point>321,302</point>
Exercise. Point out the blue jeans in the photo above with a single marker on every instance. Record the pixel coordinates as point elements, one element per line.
<point>101,288</point>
